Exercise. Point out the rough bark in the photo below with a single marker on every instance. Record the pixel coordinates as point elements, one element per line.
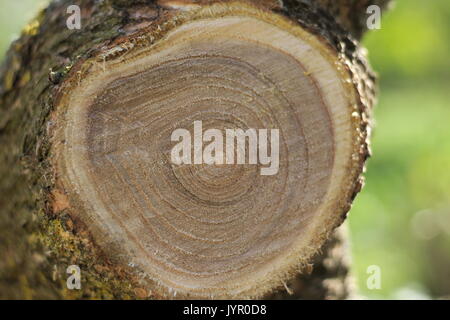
<point>327,277</point>
<point>350,14</point>
<point>39,238</point>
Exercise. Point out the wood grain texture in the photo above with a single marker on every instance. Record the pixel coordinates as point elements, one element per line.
<point>203,230</point>
<point>81,155</point>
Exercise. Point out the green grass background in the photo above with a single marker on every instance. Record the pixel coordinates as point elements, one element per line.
<point>401,221</point>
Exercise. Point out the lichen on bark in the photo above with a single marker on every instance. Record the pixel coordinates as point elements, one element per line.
<point>38,238</point>
<point>35,245</point>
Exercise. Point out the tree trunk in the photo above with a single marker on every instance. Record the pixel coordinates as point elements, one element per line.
<point>86,132</point>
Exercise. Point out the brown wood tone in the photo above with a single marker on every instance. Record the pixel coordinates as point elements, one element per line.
<point>86,124</point>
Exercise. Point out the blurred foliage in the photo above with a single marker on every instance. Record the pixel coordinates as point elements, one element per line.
<point>401,221</point>
<point>14,15</point>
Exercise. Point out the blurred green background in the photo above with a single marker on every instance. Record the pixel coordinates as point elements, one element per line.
<point>401,221</point>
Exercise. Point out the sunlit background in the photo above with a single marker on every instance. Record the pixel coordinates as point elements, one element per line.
<point>401,221</point>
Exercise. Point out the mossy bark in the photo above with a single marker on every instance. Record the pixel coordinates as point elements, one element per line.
<point>38,238</point>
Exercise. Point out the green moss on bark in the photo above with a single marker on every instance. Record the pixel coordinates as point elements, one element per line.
<point>37,242</point>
